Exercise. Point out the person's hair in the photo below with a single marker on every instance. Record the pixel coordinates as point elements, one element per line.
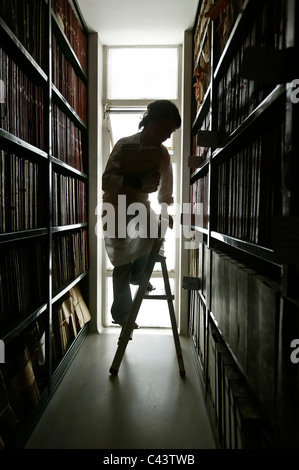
<point>159,111</point>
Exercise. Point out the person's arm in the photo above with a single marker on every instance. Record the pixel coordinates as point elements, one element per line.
<point>165,191</point>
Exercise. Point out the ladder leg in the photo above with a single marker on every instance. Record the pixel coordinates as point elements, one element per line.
<point>172,319</point>
<point>127,330</point>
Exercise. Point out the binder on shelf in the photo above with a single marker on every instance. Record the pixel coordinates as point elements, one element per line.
<point>285,236</point>
<point>191,283</point>
<point>195,161</point>
<point>210,139</point>
<point>269,65</point>
<point>69,317</point>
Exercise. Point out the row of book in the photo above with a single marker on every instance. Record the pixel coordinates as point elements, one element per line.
<point>199,200</point>
<point>198,150</point>
<point>236,415</point>
<point>69,317</point>
<point>196,325</point>
<point>69,200</point>
<point>67,82</point>
<point>23,280</point>
<point>72,28</point>
<point>27,19</point>
<point>67,143</point>
<point>225,13</point>
<point>238,96</point>
<point>21,181</point>
<point>22,379</point>
<point>21,102</point>
<point>202,71</point>
<point>199,153</point>
<point>69,257</point>
<point>245,304</point>
<point>249,189</point>
<point>200,29</point>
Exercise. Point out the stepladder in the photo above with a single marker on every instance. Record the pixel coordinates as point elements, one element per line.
<point>141,293</point>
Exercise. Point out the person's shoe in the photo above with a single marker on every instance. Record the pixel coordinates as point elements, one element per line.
<point>124,324</point>
<point>150,287</point>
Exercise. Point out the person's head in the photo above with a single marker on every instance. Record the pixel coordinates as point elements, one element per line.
<point>161,119</point>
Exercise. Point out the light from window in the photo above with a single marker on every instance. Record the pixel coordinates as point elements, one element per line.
<point>125,124</point>
<point>142,73</point>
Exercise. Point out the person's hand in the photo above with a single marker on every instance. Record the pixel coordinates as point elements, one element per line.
<point>150,182</point>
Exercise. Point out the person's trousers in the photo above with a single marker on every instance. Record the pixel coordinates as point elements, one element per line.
<point>123,276</point>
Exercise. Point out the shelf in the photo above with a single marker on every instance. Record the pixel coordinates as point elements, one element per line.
<point>68,168</point>
<point>261,252</point>
<point>201,171</point>
<point>22,235</point>
<point>202,230</point>
<point>67,49</point>
<point>68,228</point>
<point>245,129</point>
<point>60,100</point>
<point>204,33</point>
<point>19,145</point>
<point>69,356</point>
<point>202,112</point>
<point>25,428</point>
<point>24,55</point>
<point>236,36</point>
<point>31,108</point>
<point>242,339</point>
<point>11,332</point>
<point>64,290</point>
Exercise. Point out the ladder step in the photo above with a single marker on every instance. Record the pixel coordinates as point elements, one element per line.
<point>158,297</point>
<point>158,294</point>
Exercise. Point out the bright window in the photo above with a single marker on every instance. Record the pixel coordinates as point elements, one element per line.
<point>142,73</point>
<point>136,76</point>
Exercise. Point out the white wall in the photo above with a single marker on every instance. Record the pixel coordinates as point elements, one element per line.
<point>95,122</point>
<point>185,174</point>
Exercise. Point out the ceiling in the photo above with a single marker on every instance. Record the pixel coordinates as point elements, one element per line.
<point>139,22</point>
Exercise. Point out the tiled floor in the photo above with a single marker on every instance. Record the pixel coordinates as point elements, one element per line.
<point>146,406</point>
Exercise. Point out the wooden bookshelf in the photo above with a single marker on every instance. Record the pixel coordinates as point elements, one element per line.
<point>244,316</point>
<point>44,257</point>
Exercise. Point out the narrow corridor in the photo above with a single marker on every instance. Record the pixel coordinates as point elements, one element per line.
<point>146,406</point>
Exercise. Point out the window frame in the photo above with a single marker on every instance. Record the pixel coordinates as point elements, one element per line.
<point>175,157</point>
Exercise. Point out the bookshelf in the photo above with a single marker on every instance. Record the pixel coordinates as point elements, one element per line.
<point>243,314</point>
<point>44,257</point>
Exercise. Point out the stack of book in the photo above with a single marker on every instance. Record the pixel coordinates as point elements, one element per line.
<point>21,194</point>
<point>67,82</point>
<point>22,103</point>
<point>67,143</point>
<point>70,257</point>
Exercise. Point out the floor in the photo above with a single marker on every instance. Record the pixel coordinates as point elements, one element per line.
<point>146,406</point>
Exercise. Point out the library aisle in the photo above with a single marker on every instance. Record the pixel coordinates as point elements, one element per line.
<point>146,406</point>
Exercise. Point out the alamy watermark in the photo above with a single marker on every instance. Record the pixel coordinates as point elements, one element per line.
<point>295,353</point>
<point>137,220</point>
<point>2,352</point>
<point>295,93</point>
